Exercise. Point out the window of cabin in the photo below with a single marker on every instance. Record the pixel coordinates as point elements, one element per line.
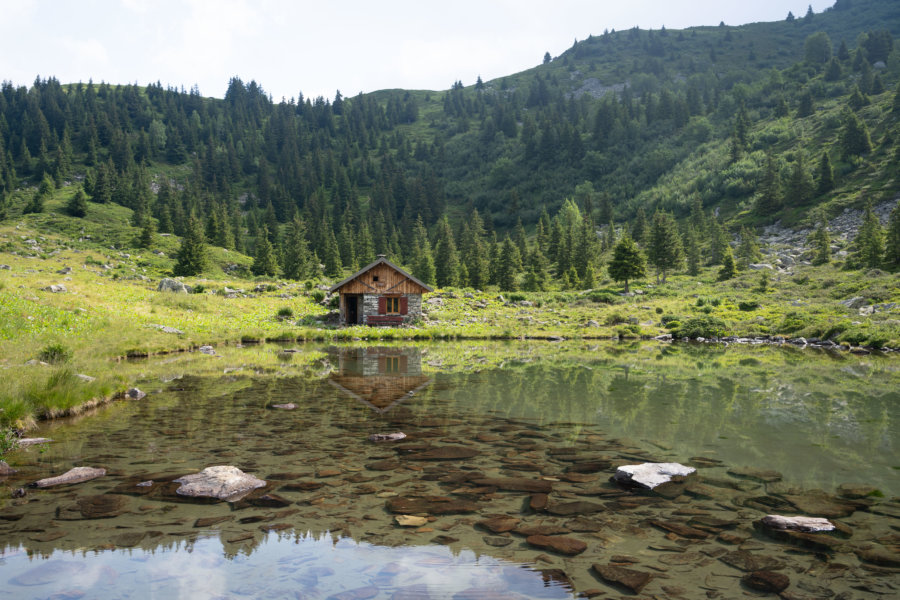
<point>374,277</point>
<point>392,364</point>
<point>392,306</point>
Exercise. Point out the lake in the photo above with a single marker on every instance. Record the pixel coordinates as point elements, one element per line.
<point>508,453</point>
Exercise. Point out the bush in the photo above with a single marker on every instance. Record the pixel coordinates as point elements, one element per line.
<point>285,312</point>
<point>198,289</point>
<point>705,327</point>
<point>793,321</point>
<point>334,302</point>
<point>318,296</point>
<point>748,306</point>
<point>615,318</point>
<point>667,319</point>
<point>55,354</point>
<point>603,297</point>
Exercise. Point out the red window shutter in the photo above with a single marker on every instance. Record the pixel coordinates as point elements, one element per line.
<point>404,305</point>
<point>382,305</point>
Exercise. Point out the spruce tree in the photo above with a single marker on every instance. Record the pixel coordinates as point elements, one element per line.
<point>664,249</point>
<point>770,195</point>
<point>806,107</point>
<point>692,250</point>
<point>821,242</point>
<point>729,268</point>
<point>446,264</point>
<point>826,175</point>
<point>718,241</point>
<point>854,138</point>
<point>145,239</point>
<point>536,271</point>
<point>627,263</point>
<point>296,252</point>
<point>77,206</point>
<point>509,266</point>
<point>331,255</point>
<point>422,259</point>
<point>264,263</point>
<point>639,228</point>
<point>869,240</point>
<point>748,249</point>
<point>800,186</point>
<point>192,254</point>
<point>892,244</point>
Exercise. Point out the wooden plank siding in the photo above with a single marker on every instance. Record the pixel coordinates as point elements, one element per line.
<point>389,282</point>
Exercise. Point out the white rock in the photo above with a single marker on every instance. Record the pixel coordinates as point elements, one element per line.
<point>207,350</point>
<point>222,482</point>
<point>410,521</point>
<point>76,475</point>
<point>650,475</point>
<point>807,524</point>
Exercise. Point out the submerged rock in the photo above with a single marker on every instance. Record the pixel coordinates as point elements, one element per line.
<point>650,475</point>
<point>76,475</point>
<point>557,543</point>
<point>432,505</point>
<point>445,453</point>
<point>763,475</point>
<point>103,506</point>
<point>5,469</point>
<point>387,437</point>
<point>288,406</point>
<point>517,484</point>
<point>805,524</point>
<point>630,579</point>
<point>135,394</point>
<point>766,581</point>
<point>222,482</point>
<point>410,521</point>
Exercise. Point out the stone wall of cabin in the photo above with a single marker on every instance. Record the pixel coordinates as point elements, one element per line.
<point>370,307</point>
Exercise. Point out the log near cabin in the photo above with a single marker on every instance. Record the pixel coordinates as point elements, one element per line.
<point>380,294</point>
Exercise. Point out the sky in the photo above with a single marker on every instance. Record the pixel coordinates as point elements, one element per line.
<point>320,47</point>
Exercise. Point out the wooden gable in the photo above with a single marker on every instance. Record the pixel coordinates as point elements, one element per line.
<point>381,277</point>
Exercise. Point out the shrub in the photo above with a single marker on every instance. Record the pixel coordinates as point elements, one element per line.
<point>659,310</point>
<point>603,297</point>
<point>55,354</point>
<point>748,306</point>
<point>285,312</point>
<point>667,319</point>
<point>615,318</point>
<point>198,289</point>
<point>318,296</point>
<point>705,327</point>
<point>334,302</point>
<point>793,321</point>
<point>516,297</point>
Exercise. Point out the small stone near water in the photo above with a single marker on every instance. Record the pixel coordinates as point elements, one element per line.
<point>856,492</point>
<point>630,579</point>
<point>210,521</point>
<point>562,545</point>
<point>746,561</point>
<point>102,506</point>
<point>222,482</point>
<point>24,442</point>
<point>85,378</point>
<point>805,524</point>
<point>5,469</point>
<point>135,394</point>
<point>171,285</point>
<point>19,493</point>
<point>766,581</point>
<point>145,484</point>
<point>497,541</point>
<point>207,350</point>
<point>410,521</point>
<point>288,406</point>
<point>499,524</point>
<point>580,507</point>
<point>387,437</point>
<point>650,475</point>
<point>76,475</point>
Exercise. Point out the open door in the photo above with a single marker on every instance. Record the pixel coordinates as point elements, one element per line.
<point>352,310</point>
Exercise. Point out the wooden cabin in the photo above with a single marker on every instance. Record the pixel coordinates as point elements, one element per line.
<point>380,294</point>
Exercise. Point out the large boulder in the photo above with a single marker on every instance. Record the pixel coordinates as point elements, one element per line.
<point>650,475</point>
<point>221,482</point>
<point>171,285</point>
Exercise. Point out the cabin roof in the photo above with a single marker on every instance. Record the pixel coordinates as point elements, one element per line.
<point>380,261</point>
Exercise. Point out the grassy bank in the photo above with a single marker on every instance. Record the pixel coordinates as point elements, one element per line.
<point>110,310</point>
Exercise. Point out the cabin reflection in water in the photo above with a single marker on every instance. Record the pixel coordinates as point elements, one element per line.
<point>378,377</point>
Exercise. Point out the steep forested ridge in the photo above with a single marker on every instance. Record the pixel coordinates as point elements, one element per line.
<point>788,121</point>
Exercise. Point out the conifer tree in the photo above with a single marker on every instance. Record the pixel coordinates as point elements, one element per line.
<point>296,252</point>
<point>692,250</point>
<point>821,242</point>
<point>192,254</point>
<point>748,249</point>
<point>536,271</point>
<point>895,107</point>
<point>729,269</point>
<point>331,256</point>
<point>446,263</point>
<point>869,240</point>
<point>664,250</point>
<point>770,196</point>
<point>854,138</point>
<point>800,186</point>
<point>826,175</point>
<point>36,204</point>
<point>77,206</point>
<point>698,217</point>
<point>718,241</point>
<point>806,107</point>
<point>145,239</point>
<point>892,244</point>
<point>264,263</point>
<point>639,228</point>
<point>627,263</point>
<point>422,259</point>
<point>509,266</point>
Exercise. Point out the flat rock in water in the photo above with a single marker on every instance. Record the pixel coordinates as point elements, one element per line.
<point>410,521</point>
<point>497,541</point>
<point>103,506</point>
<point>763,475</point>
<point>445,453</point>
<point>856,492</point>
<point>630,579</point>
<point>24,442</point>
<point>517,484</point>
<point>766,581</point>
<point>499,524</point>
<point>805,524</point>
<point>288,406</point>
<point>387,437</point>
<point>562,545</point>
<point>820,504</point>
<point>650,475</point>
<point>210,521</point>
<point>580,507</point>
<point>76,475</point>
<point>5,469</point>
<point>685,531</point>
<point>746,561</point>
<point>222,482</point>
<point>879,555</point>
<point>432,505</point>
<point>530,530</point>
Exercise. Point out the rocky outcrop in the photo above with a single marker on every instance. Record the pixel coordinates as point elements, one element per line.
<point>221,482</point>
<point>650,475</point>
<point>172,285</point>
<point>76,475</point>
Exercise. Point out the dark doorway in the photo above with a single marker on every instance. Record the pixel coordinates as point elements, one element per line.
<point>352,310</point>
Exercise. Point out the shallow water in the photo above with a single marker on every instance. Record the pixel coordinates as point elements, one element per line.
<point>562,414</point>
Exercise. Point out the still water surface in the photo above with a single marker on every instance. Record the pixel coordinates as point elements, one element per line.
<point>769,430</point>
